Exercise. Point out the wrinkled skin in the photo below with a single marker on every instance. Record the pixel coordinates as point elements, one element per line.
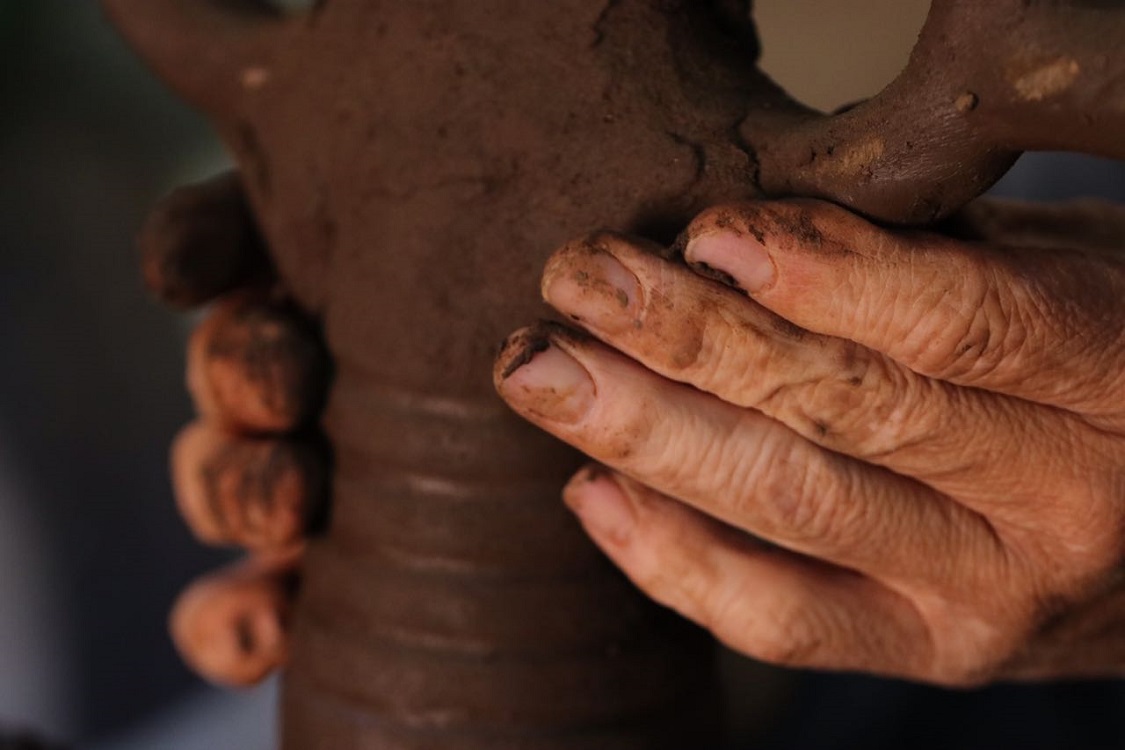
<point>891,452</point>
<point>929,433</point>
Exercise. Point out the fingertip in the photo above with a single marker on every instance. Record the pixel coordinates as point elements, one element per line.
<point>539,376</point>
<point>201,241</point>
<point>607,512</point>
<point>729,245</point>
<point>261,494</point>
<point>231,627</point>
<point>257,367</point>
<point>515,351</point>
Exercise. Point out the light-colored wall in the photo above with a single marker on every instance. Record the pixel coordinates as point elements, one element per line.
<point>832,52</point>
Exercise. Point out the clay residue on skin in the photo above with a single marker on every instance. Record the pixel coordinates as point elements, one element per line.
<point>522,349</point>
<point>710,272</point>
<point>1046,80</point>
<point>522,346</point>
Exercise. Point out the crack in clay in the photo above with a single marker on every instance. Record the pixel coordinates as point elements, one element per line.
<point>599,23</point>
<point>699,153</point>
<point>743,144</point>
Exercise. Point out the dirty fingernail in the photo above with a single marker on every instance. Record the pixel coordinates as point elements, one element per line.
<point>604,508</point>
<point>593,287</point>
<point>739,260</point>
<point>536,376</point>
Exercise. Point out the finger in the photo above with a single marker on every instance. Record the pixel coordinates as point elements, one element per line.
<point>201,241</point>
<point>255,366</point>
<point>765,603</point>
<point>231,627</point>
<point>1088,224</point>
<point>256,493</point>
<point>740,466</point>
<point>833,392</point>
<point>1037,324</point>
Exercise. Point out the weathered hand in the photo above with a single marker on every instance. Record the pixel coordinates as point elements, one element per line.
<point>251,470</point>
<point>929,433</point>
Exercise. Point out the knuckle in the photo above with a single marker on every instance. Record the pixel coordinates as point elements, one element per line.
<point>973,333</point>
<point>974,642</point>
<point>801,498</point>
<point>668,571</point>
<point>972,666</point>
<point>1080,539</point>
<point>862,404</point>
<point>675,446</point>
<point>785,636</point>
<point>800,219</point>
<point>968,675</point>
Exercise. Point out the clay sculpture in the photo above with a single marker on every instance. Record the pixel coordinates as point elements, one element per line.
<point>411,165</point>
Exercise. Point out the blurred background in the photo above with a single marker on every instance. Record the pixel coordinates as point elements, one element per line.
<point>91,550</point>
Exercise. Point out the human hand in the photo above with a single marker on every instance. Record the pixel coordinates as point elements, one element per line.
<point>251,471</point>
<point>927,433</point>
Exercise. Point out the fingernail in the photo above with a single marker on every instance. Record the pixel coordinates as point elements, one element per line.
<point>604,508</point>
<point>742,258</point>
<point>538,377</point>
<point>593,287</point>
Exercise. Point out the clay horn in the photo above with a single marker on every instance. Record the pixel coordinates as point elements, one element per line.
<point>205,49</point>
<point>986,81</point>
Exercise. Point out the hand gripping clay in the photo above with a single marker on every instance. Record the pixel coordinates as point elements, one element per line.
<point>412,164</point>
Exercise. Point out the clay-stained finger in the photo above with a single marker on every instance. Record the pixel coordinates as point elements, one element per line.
<point>1015,321</point>
<point>200,241</point>
<point>231,627</point>
<point>833,392</point>
<point>763,602</point>
<point>259,493</point>
<point>740,466</point>
<point>256,366</point>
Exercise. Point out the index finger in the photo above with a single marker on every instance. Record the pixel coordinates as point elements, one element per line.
<point>1039,324</point>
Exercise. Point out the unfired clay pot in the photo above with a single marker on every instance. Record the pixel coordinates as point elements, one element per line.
<point>412,163</point>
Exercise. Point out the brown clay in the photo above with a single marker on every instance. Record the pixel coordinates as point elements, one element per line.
<point>985,81</point>
<point>411,165</point>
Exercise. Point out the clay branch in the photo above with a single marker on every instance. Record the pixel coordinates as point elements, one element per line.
<point>984,82</point>
<point>207,50</point>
